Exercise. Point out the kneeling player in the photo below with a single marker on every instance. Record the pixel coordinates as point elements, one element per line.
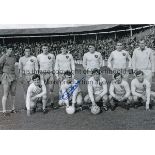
<point>119,93</point>
<point>70,92</point>
<point>36,92</point>
<point>97,90</point>
<point>141,91</point>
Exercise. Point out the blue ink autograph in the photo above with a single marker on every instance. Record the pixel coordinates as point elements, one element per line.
<point>67,94</point>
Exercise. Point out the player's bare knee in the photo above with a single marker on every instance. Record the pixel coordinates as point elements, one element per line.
<point>79,101</point>
<point>135,98</point>
<point>105,98</point>
<point>130,98</point>
<point>86,99</point>
<point>110,97</point>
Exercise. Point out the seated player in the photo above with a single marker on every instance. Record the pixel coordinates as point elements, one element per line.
<point>119,93</point>
<point>36,92</point>
<point>141,91</point>
<point>97,90</point>
<point>70,91</point>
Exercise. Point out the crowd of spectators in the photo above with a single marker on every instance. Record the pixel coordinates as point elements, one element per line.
<point>80,46</point>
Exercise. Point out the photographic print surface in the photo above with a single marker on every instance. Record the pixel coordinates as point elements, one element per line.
<point>77,77</point>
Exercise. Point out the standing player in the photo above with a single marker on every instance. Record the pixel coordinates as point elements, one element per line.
<point>70,91</point>
<point>141,91</point>
<point>36,92</point>
<point>92,60</point>
<point>119,93</point>
<point>46,62</point>
<point>120,60</point>
<point>97,90</point>
<point>143,60</point>
<point>7,62</point>
<point>64,62</point>
<point>28,66</point>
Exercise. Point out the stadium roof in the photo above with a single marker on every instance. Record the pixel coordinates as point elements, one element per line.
<point>58,30</point>
<point>70,29</point>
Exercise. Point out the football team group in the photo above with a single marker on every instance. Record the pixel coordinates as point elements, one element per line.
<point>38,75</point>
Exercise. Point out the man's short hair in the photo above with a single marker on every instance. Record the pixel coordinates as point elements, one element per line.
<point>96,71</point>
<point>117,74</point>
<point>44,45</point>
<point>9,46</point>
<point>139,72</point>
<point>142,40</point>
<point>35,76</point>
<point>64,46</point>
<point>27,47</point>
<point>119,42</point>
<point>68,73</point>
<point>92,45</point>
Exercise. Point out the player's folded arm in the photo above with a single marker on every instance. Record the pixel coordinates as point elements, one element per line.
<point>133,90</point>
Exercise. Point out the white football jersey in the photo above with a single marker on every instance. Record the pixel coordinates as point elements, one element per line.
<point>138,87</point>
<point>28,65</point>
<point>143,60</point>
<point>96,87</point>
<point>68,89</point>
<point>119,89</point>
<point>64,62</point>
<point>119,60</point>
<point>92,60</point>
<point>46,62</point>
<point>34,90</point>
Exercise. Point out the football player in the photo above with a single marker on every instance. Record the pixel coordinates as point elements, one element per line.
<point>64,62</point>
<point>143,60</point>
<point>46,63</point>
<point>70,92</point>
<point>7,62</point>
<point>28,66</point>
<point>91,60</point>
<point>120,94</point>
<point>120,61</point>
<point>97,90</point>
<point>36,92</point>
<point>141,91</point>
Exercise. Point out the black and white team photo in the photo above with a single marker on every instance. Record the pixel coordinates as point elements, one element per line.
<point>77,77</point>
